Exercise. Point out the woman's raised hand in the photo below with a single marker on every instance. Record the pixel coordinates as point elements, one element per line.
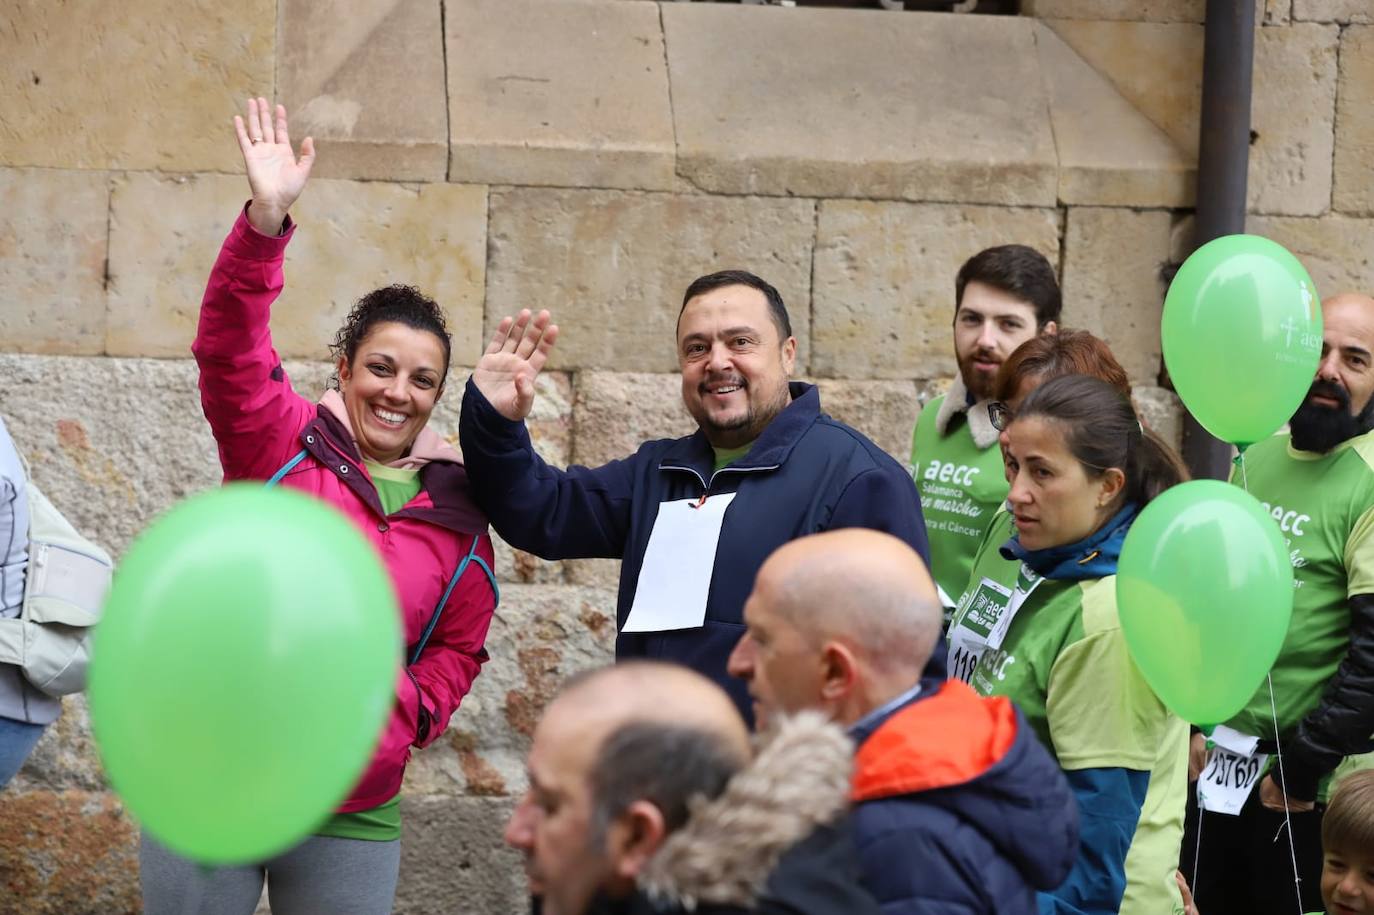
<point>514,358</point>
<point>276,176</point>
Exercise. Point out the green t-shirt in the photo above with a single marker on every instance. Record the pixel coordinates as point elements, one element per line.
<point>727,456</point>
<point>1324,506</point>
<point>1065,664</point>
<point>395,486</point>
<point>379,824</point>
<point>961,485</point>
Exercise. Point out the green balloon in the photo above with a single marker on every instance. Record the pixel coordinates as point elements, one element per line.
<point>1242,336</point>
<point>243,671</point>
<point>1204,590</point>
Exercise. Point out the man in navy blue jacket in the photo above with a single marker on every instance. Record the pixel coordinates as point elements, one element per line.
<point>957,805</point>
<point>691,518</point>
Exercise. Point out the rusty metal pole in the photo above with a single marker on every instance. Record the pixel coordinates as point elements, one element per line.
<point>1222,169</point>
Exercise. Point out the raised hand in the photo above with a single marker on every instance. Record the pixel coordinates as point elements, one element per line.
<point>276,176</point>
<point>514,358</point>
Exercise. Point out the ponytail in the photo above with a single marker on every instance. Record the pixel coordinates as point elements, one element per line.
<point>1103,431</point>
<point>1156,467</point>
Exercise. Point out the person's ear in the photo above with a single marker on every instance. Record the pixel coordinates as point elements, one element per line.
<point>1113,481</point>
<point>1050,328</point>
<point>789,355</point>
<point>634,838</point>
<point>839,670</point>
<point>345,372</point>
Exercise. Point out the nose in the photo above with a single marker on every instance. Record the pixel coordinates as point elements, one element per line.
<point>519,831</point>
<point>1327,369</point>
<point>741,661</point>
<point>718,359</point>
<point>398,389</point>
<point>986,338</point>
<point>1020,490</point>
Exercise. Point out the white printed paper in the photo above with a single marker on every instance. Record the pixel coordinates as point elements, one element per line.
<point>675,577</point>
<point>1231,772</point>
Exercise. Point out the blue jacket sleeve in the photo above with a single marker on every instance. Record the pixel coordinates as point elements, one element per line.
<point>884,499</point>
<point>556,514</point>
<point>1109,802</point>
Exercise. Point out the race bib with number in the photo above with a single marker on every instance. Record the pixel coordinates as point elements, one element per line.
<point>1231,772</point>
<point>675,576</point>
<point>992,607</point>
<point>971,636</point>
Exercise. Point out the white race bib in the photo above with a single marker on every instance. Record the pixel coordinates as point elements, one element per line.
<point>1231,772</point>
<point>992,607</point>
<point>675,576</point>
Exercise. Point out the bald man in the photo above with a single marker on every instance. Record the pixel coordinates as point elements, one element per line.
<point>958,808</point>
<point>610,825</point>
<point>1317,482</point>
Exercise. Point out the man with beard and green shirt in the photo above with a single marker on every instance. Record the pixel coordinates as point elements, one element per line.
<point>1003,296</point>
<point>1317,482</point>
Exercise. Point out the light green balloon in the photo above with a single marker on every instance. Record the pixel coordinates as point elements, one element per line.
<point>1204,590</point>
<point>1242,336</point>
<point>243,671</point>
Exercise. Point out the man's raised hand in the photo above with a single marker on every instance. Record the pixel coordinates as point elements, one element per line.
<point>516,355</point>
<point>275,175</point>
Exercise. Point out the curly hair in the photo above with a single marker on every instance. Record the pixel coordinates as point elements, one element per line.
<point>396,303</point>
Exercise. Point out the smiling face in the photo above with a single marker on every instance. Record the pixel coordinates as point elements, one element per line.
<point>1347,882</point>
<point>1054,500</point>
<point>988,326</point>
<point>390,388</point>
<point>735,366</point>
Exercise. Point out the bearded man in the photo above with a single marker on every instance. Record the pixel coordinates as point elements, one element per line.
<point>1317,482</point>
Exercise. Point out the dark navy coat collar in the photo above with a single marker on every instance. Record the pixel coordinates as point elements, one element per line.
<point>770,450</point>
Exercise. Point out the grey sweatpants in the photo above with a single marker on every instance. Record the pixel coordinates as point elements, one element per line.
<point>321,876</point>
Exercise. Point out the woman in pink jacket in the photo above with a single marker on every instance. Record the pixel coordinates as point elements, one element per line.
<point>364,448</point>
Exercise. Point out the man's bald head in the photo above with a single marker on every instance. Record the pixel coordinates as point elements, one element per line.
<point>861,584</point>
<point>602,700</point>
<point>1340,403</point>
<point>838,621</point>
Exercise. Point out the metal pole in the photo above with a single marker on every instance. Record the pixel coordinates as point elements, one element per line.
<point>1223,165</point>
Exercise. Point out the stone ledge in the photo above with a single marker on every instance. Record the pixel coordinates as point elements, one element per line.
<point>531,105</point>
<point>151,85</point>
<point>1294,98</point>
<point>367,80</point>
<point>837,109</point>
<point>1109,154</point>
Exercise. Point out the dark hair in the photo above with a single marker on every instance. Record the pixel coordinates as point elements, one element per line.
<point>712,281</point>
<point>1018,271</point>
<point>1104,432</point>
<point>665,764</point>
<point>1348,824</point>
<point>401,304</point>
<point>1048,356</point>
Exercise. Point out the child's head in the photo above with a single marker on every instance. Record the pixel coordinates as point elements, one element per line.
<point>1348,847</point>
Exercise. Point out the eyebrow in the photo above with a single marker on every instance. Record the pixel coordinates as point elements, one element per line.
<point>743,330</point>
<point>1356,350</point>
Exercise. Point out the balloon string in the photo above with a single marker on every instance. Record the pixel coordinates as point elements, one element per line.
<point>1197,846</point>
<point>1283,784</point>
<point>1244,480</point>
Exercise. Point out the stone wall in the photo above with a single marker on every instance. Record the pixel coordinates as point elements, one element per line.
<point>591,157</point>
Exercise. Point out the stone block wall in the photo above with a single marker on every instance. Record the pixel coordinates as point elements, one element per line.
<point>591,157</point>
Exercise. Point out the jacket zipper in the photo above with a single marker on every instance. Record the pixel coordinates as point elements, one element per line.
<point>706,486</point>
